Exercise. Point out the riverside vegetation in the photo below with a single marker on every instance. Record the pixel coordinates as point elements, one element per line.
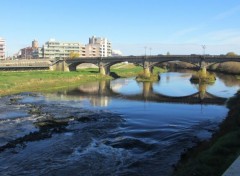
<point>208,78</point>
<point>226,67</point>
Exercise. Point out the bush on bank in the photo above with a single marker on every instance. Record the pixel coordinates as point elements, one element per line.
<point>198,77</point>
<point>141,77</point>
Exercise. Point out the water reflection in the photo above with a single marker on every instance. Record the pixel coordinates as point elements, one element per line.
<point>100,93</point>
<point>225,85</point>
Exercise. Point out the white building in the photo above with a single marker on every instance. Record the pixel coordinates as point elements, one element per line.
<point>2,48</point>
<point>105,46</point>
<point>59,50</point>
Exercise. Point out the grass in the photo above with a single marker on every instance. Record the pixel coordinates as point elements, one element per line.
<point>44,81</point>
<point>212,158</point>
<point>47,81</point>
<point>128,71</point>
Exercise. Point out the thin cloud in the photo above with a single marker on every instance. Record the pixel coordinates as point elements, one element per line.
<point>185,31</point>
<point>178,35</point>
<point>227,36</point>
<point>227,14</point>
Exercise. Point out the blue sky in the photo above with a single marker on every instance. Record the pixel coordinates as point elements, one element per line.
<point>177,26</point>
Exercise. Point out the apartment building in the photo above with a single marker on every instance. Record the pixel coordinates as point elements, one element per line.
<point>26,53</point>
<point>2,48</point>
<point>92,50</point>
<point>104,45</point>
<point>59,50</point>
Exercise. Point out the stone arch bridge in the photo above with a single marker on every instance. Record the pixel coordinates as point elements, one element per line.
<point>147,62</point>
<point>105,63</point>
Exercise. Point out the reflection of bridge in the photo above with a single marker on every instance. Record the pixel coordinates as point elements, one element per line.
<point>103,89</point>
<point>104,64</point>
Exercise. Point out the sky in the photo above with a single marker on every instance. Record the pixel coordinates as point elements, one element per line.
<point>174,26</point>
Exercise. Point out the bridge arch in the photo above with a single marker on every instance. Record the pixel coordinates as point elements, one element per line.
<point>107,65</point>
<point>73,66</point>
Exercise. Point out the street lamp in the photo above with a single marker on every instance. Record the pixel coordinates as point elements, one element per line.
<point>203,47</point>
<point>145,50</point>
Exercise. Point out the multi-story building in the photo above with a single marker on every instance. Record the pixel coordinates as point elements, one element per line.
<point>60,50</point>
<point>26,53</point>
<point>52,49</point>
<point>2,48</point>
<point>92,50</point>
<point>35,50</point>
<point>105,46</point>
<point>30,52</point>
<point>82,51</point>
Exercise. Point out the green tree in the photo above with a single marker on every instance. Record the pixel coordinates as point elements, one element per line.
<point>73,55</point>
<point>168,53</point>
<point>231,54</point>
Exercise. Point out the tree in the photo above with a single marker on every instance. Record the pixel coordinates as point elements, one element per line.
<point>231,54</point>
<point>168,53</point>
<point>73,55</point>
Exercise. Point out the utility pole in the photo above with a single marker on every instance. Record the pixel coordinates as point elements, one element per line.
<point>150,51</point>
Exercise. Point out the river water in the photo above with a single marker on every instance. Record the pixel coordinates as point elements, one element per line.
<point>118,127</point>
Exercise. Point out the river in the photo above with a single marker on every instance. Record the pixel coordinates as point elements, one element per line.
<point>118,127</point>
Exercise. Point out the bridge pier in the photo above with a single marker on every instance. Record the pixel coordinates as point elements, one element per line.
<point>146,69</point>
<point>203,69</point>
<point>60,65</point>
<point>146,72</point>
<point>104,69</point>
